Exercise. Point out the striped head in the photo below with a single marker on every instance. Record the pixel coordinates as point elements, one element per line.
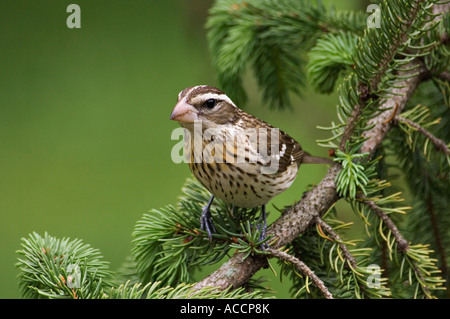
<point>204,103</point>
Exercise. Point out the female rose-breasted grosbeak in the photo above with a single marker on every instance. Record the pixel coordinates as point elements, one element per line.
<point>239,158</point>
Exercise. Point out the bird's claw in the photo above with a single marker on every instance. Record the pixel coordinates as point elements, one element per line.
<point>262,237</point>
<point>206,223</point>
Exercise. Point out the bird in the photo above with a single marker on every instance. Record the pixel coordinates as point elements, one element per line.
<point>236,156</point>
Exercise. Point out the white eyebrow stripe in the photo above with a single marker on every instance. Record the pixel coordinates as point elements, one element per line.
<point>215,96</point>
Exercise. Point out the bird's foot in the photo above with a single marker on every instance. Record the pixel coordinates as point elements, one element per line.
<point>263,229</point>
<point>206,223</point>
<point>262,237</point>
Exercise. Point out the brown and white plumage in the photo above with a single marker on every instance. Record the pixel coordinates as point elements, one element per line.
<point>260,174</point>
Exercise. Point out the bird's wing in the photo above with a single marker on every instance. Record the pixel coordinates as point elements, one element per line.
<point>290,152</point>
<point>282,150</point>
<point>272,148</point>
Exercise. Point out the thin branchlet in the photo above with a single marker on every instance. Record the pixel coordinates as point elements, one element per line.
<point>440,144</point>
<point>303,268</point>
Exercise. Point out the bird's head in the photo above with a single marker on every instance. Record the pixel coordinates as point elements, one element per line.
<point>206,104</point>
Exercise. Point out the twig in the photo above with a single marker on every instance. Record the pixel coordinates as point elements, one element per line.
<point>347,255</point>
<point>440,144</point>
<point>351,124</point>
<point>402,243</point>
<point>304,269</point>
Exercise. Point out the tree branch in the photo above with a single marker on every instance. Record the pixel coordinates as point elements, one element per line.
<point>347,255</point>
<point>440,144</point>
<point>408,22</point>
<point>304,269</point>
<point>394,104</point>
<point>402,243</point>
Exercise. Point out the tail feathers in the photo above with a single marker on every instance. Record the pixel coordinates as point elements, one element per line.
<point>309,159</point>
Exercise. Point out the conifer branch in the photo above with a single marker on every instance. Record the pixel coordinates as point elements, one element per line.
<point>347,255</point>
<point>392,105</point>
<point>400,39</point>
<point>358,275</point>
<point>440,144</point>
<point>303,268</point>
<point>402,243</point>
<point>352,122</point>
<point>417,256</point>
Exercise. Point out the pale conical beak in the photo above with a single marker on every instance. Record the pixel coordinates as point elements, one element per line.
<point>184,113</point>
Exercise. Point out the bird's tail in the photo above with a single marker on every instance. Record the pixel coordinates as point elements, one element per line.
<point>309,159</point>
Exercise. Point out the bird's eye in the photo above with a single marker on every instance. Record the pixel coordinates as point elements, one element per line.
<point>210,103</point>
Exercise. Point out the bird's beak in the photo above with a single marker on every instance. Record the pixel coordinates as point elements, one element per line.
<point>184,113</point>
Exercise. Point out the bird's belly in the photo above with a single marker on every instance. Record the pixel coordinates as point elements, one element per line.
<point>243,185</point>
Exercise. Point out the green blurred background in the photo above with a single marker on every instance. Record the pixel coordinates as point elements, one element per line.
<point>84,120</point>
